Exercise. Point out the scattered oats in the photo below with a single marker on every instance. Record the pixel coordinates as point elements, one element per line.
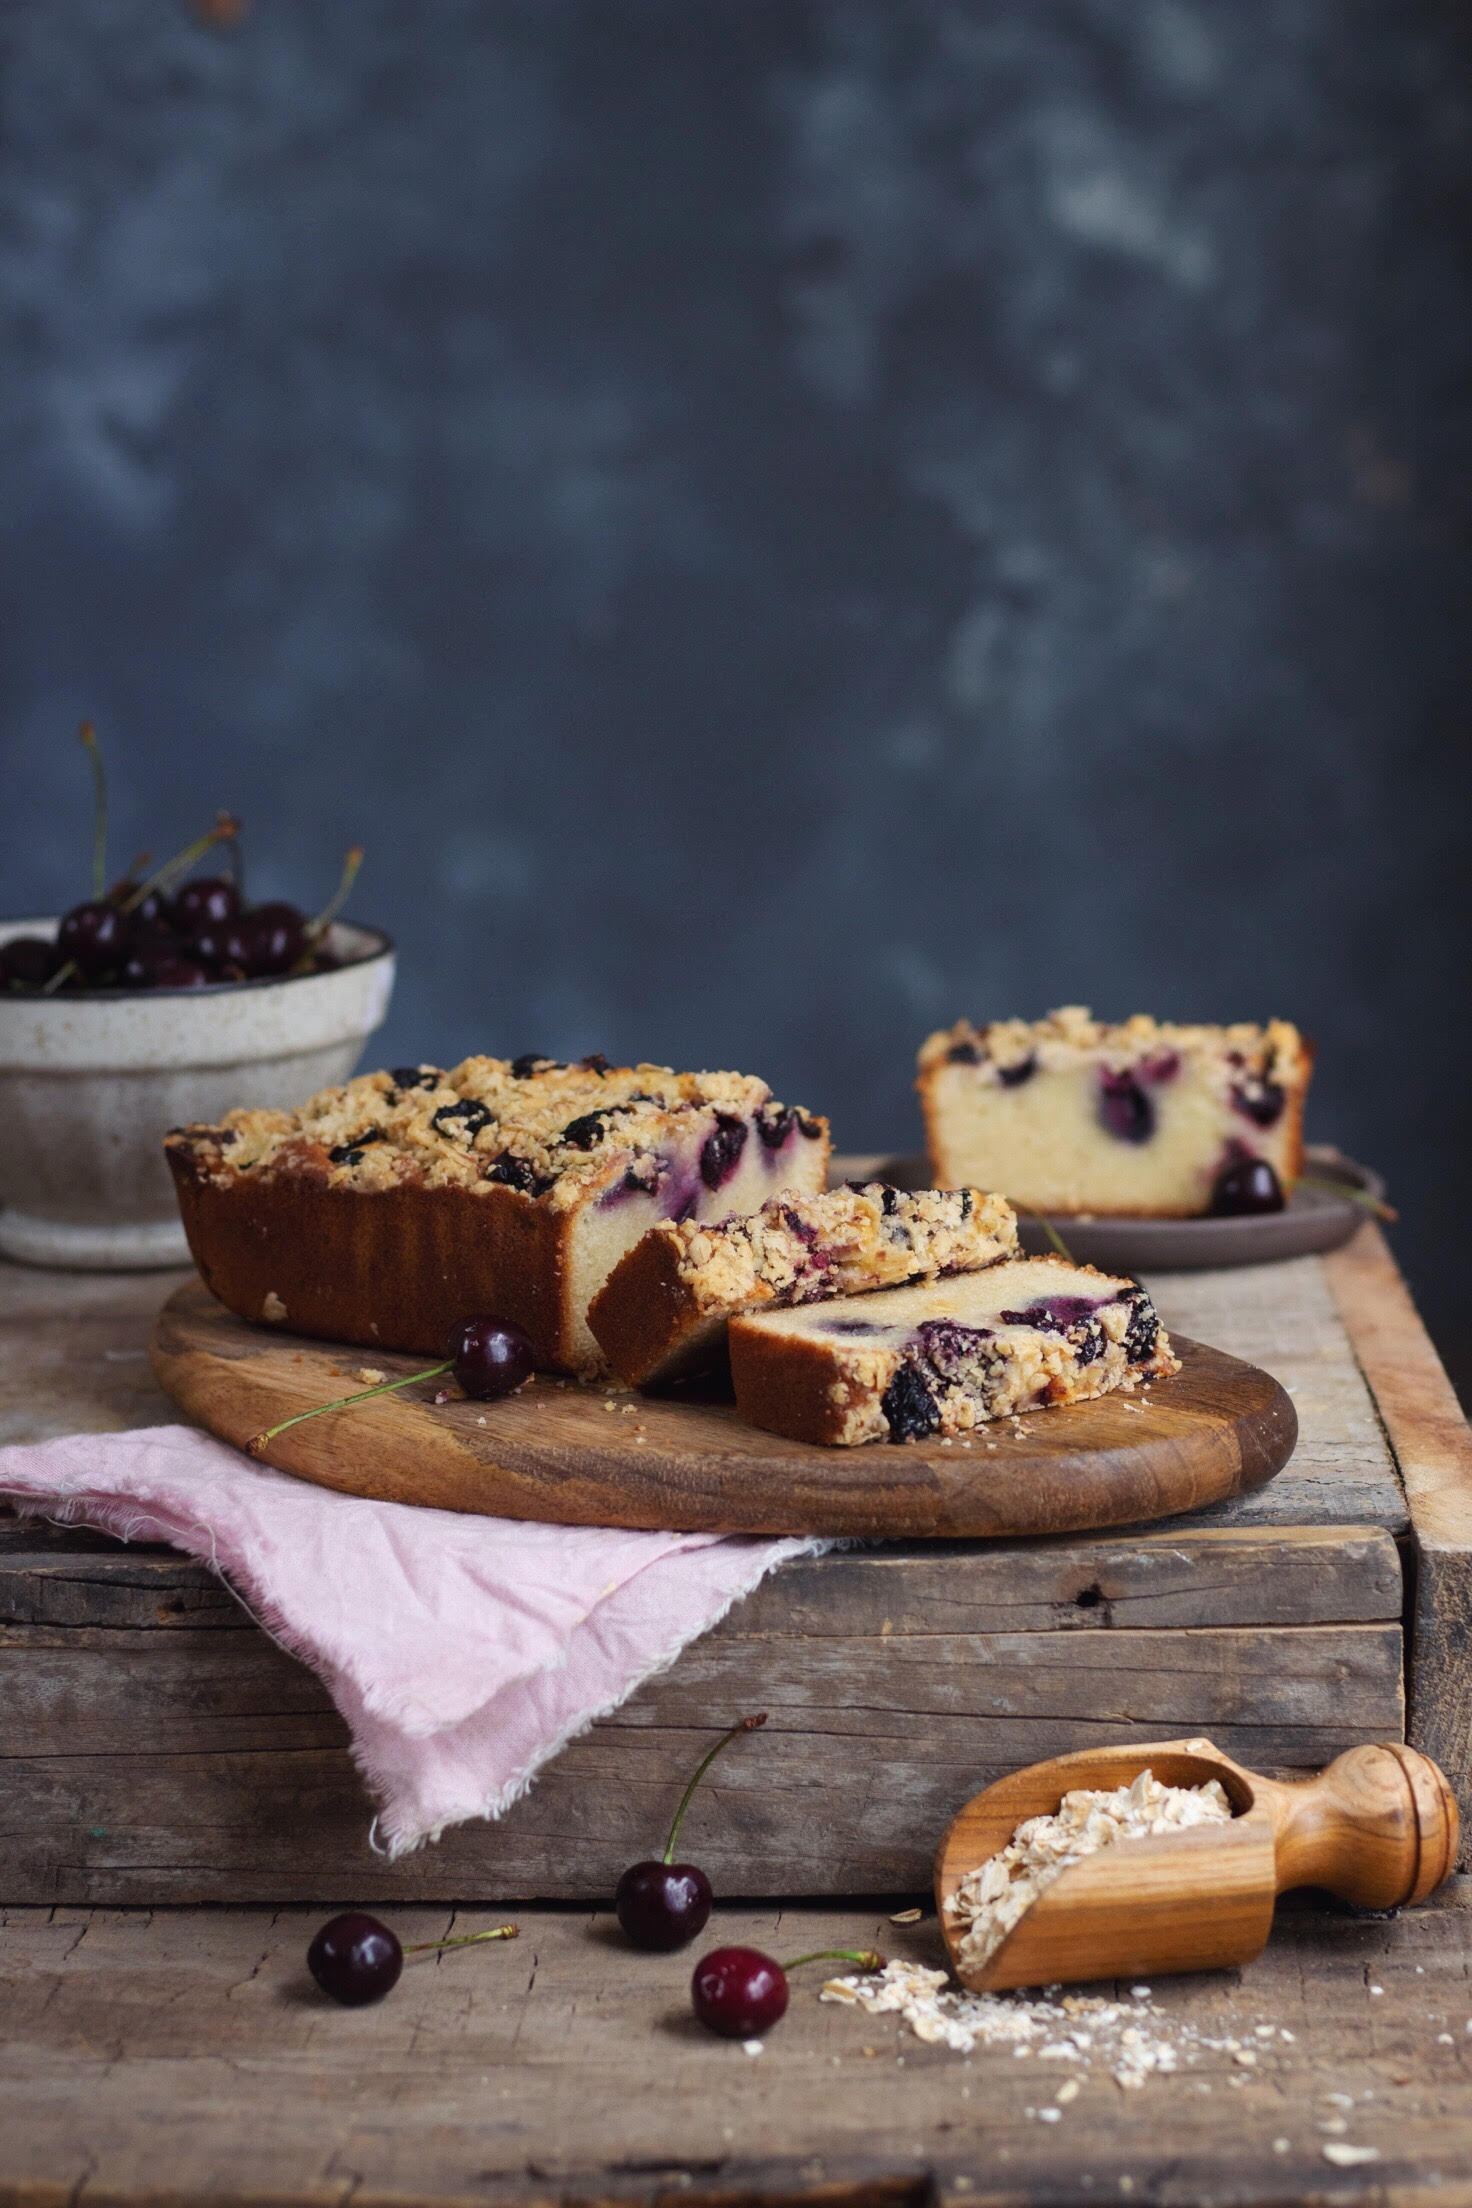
<point>1377,1989</point>
<point>610,1406</point>
<point>1129,2080</point>
<point>991,1899</point>
<point>1140,1993</point>
<point>1263,2031</point>
<point>1345,2157</point>
<point>641,1439</point>
<point>1067,2091</point>
<point>1444,2039</point>
<point>370,1376</point>
<point>480,1421</point>
<point>1340,2100</point>
<point>1284,2033</point>
<point>945,1441</point>
<point>1420,1970</point>
<point>1050,2115</point>
<point>753,2047</point>
<point>1126,2184</point>
<point>1281,2146</point>
<point>1333,2123</point>
<point>992,1445</point>
<point>907,1916</point>
<point>627,1410</point>
<point>1247,2056</point>
<point>838,1990</point>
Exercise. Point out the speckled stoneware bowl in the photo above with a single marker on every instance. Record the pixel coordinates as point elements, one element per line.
<point>91,1082</point>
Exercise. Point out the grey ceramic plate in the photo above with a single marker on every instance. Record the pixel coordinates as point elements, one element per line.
<point>1316,1219</point>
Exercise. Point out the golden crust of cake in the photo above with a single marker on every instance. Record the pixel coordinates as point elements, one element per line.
<point>665,1304</point>
<point>545,1129</point>
<point>1072,1035</point>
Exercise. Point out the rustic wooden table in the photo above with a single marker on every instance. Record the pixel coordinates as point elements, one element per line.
<point>184,2056</point>
<point>154,1746</point>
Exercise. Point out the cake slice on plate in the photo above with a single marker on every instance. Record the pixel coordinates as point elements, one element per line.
<point>663,1309</point>
<point>942,1357</point>
<point>1141,1119</point>
<point>383,1211</point>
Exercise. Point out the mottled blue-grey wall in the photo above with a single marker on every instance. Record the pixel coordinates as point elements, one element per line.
<point>777,521</point>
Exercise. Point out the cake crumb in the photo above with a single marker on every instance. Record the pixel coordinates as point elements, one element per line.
<point>370,1376</point>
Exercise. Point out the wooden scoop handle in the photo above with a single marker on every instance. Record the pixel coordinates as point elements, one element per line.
<point>1378,1827</point>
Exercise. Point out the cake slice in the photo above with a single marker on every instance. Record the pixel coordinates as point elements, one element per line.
<point>1143,1119</point>
<point>943,1356</point>
<point>383,1211</point>
<point>664,1307</point>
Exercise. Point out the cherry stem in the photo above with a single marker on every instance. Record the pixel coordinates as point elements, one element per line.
<point>99,809</point>
<point>256,1446</point>
<point>466,1939</point>
<point>1360,1196</point>
<point>867,1959</point>
<point>746,1725</point>
<point>350,865</point>
<point>1048,1228</point>
<point>164,877</point>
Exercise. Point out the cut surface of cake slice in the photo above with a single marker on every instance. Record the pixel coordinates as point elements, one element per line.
<point>1141,1119</point>
<point>663,1309</point>
<point>384,1211</point>
<point>944,1356</point>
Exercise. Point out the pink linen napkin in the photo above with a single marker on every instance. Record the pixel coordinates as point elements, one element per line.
<point>463,1652</point>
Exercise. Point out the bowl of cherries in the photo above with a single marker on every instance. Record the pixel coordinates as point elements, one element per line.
<point>165,997</point>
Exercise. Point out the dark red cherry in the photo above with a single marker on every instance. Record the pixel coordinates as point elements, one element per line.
<point>27,962</point>
<point>738,1992</point>
<point>356,1959</point>
<point>662,1906</point>
<point>490,1357</point>
<point>94,936</point>
<point>180,973</point>
<point>208,902</point>
<point>153,911</point>
<point>222,945</point>
<point>1246,1185</point>
<point>274,938</point>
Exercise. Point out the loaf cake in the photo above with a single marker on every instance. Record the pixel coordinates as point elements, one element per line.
<point>384,1211</point>
<point>944,1356</point>
<point>1144,1118</point>
<point>664,1307</point>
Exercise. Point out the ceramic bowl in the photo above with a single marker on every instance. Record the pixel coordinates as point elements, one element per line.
<point>91,1082</point>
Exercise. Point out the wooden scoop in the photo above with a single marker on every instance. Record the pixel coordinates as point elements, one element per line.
<point>1378,1827</point>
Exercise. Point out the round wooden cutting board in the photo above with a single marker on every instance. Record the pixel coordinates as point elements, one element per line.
<point>587,1456</point>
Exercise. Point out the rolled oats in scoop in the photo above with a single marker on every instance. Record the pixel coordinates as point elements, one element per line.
<point>991,1899</point>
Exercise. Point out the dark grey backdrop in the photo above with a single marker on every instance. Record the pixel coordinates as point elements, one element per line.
<point>777,521</point>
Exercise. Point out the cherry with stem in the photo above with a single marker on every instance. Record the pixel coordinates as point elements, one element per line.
<point>356,1959</point>
<point>662,1904</point>
<point>738,1991</point>
<point>162,878</point>
<point>488,1356</point>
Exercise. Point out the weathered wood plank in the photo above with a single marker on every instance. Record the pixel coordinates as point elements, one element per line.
<point>241,1784</point>
<point>1433,1447</point>
<point>1317,1575</point>
<point>1284,1318</point>
<point>154,2059</point>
